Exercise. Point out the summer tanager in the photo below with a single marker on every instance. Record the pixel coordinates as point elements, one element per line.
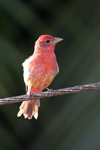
<point>39,71</point>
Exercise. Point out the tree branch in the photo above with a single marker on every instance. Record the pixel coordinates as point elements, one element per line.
<point>51,93</point>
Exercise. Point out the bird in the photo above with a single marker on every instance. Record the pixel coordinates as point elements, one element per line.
<point>39,71</point>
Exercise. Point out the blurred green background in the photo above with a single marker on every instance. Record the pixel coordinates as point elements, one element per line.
<point>68,122</point>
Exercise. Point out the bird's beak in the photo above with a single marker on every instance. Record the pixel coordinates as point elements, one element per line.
<point>56,40</point>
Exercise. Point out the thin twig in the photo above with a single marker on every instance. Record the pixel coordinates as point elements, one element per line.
<point>51,93</point>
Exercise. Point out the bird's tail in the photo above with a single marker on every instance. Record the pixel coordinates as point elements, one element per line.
<point>29,109</point>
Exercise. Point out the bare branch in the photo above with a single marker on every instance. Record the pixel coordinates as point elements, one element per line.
<point>51,93</point>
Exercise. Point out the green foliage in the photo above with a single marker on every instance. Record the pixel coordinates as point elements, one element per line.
<point>65,122</point>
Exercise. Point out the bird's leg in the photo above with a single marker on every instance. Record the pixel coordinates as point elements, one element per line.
<point>49,90</point>
<point>29,92</point>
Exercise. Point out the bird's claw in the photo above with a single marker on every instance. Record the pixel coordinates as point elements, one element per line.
<point>30,94</point>
<point>49,90</point>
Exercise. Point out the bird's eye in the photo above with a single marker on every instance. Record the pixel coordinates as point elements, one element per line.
<point>47,41</point>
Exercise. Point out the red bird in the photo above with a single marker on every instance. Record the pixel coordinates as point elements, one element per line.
<point>39,71</point>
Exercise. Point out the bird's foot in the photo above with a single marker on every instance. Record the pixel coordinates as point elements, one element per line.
<point>30,94</point>
<point>49,90</point>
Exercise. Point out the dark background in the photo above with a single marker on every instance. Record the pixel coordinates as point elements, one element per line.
<point>68,122</point>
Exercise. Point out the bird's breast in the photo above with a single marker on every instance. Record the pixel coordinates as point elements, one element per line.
<point>40,71</point>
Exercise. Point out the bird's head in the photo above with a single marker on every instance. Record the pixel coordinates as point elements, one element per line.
<point>46,43</point>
